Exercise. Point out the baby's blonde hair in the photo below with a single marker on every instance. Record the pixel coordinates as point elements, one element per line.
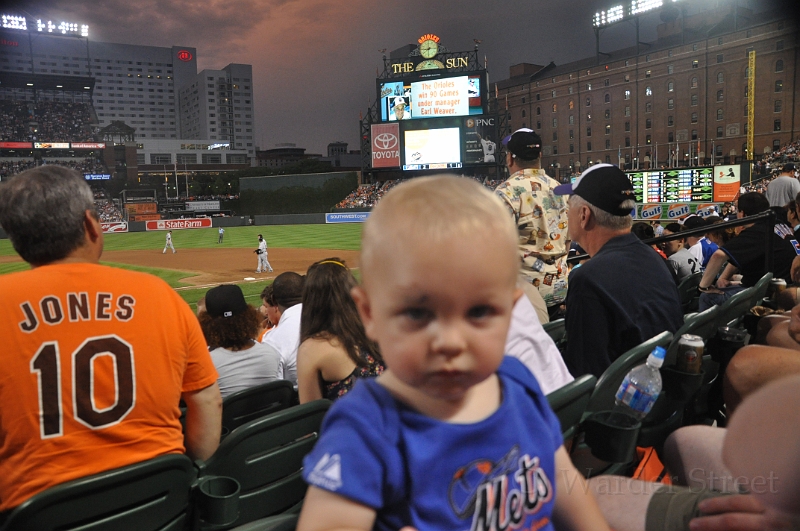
<point>433,209</point>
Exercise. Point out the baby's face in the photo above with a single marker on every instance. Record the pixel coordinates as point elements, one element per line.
<point>440,315</point>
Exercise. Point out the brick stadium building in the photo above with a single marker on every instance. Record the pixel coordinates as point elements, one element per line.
<point>685,93</point>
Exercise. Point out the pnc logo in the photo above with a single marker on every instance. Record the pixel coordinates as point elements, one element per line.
<point>385,141</point>
<point>185,56</point>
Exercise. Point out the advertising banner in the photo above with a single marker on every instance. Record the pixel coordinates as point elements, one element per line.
<point>88,145</point>
<point>480,137</point>
<point>675,211</point>
<point>97,176</point>
<point>385,145</point>
<point>141,208</point>
<point>174,224</point>
<point>727,181</point>
<point>51,145</point>
<point>16,145</point>
<point>118,226</point>
<point>143,217</point>
<point>202,205</point>
<point>355,217</point>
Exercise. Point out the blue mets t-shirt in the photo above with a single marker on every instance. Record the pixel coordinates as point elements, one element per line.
<point>418,471</point>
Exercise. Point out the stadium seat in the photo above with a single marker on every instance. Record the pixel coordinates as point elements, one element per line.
<point>687,290</point>
<point>149,496</point>
<point>569,403</point>
<point>255,402</point>
<point>266,457</point>
<point>760,290</point>
<point>703,324</point>
<point>557,330</point>
<point>732,310</point>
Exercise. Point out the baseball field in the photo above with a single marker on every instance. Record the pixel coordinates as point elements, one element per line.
<point>201,263</point>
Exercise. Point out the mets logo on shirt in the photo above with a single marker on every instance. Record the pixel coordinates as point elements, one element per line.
<point>484,488</point>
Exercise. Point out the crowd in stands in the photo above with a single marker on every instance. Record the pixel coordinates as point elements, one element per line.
<point>106,209</point>
<point>82,165</point>
<point>45,121</point>
<point>454,410</point>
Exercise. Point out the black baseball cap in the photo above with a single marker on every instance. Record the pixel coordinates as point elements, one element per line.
<point>604,186</point>
<point>226,300</point>
<point>788,167</point>
<point>524,143</point>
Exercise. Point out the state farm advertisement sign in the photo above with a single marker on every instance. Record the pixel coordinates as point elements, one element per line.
<point>386,145</point>
<point>118,226</point>
<point>174,224</point>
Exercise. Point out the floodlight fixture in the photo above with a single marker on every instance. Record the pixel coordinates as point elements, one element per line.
<point>622,12</point>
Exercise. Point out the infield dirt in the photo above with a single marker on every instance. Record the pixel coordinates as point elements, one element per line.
<point>213,266</point>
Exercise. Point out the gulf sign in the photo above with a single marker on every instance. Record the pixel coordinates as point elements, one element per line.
<point>175,224</point>
<point>119,226</point>
<point>651,212</point>
<point>678,211</point>
<point>385,145</point>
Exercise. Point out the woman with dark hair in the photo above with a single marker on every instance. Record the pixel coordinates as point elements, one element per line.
<point>231,325</point>
<point>334,349</point>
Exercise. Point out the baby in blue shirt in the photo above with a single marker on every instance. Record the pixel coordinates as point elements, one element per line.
<point>452,435</point>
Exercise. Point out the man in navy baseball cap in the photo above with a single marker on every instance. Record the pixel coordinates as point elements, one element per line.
<point>624,294</point>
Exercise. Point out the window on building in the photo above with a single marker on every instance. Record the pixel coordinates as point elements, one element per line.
<point>778,86</point>
<point>555,122</point>
<point>694,100</point>
<point>779,65</point>
<point>647,58</point>
<point>694,118</point>
<point>589,117</point>
<point>776,144</point>
<point>538,97</point>
<point>647,73</point>
<point>571,134</point>
<point>608,144</point>
<point>670,121</point>
<point>538,124</point>
<point>747,72</point>
<point>648,124</point>
<point>648,139</point>
<point>720,58</point>
<point>523,99</point>
<point>569,88</point>
<point>670,69</point>
<point>778,105</point>
<point>718,151</point>
<point>779,46</point>
<point>572,148</point>
<point>555,150</point>
<point>720,114</point>
<point>555,107</point>
<point>608,129</point>
<point>571,119</point>
<point>538,111</point>
<point>607,98</point>
<point>720,77</point>
<point>694,134</point>
<point>588,146</point>
<point>555,136</point>
<point>627,95</point>
<point>588,102</point>
<point>553,94</point>
<point>588,86</point>
<point>719,131</point>
<point>648,91</point>
<point>776,125</point>
<point>627,110</point>
<point>212,158</point>
<point>588,131</point>
<point>627,141</point>
<point>720,95</point>
<point>606,82</point>
<point>670,137</point>
<point>627,127</point>
<point>670,87</point>
<point>160,158</point>
<point>670,104</point>
<point>571,104</point>
<point>608,114</point>
<point>746,109</point>
<point>627,78</point>
<point>693,83</point>
<point>523,113</point>
<point>648,107</point>
<point>695,63</point>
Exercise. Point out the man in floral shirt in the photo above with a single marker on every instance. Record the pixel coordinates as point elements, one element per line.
<point>541,218</point>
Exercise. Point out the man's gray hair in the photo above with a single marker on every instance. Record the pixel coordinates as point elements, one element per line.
<point>42,211</point>
<point>603,218</point>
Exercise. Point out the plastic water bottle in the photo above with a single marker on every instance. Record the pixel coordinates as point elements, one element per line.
<point>641,386</point>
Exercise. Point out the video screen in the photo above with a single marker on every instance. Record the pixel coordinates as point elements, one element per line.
<point>431,98</point>
<point>428,149</point>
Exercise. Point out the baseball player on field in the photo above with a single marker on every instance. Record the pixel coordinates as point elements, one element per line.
<point>169,243</point>
<point>221,234</point>
<point>263,263</point>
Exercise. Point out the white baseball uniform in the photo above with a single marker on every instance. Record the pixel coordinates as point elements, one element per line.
<point>168,244</point>
<point>263,263</point>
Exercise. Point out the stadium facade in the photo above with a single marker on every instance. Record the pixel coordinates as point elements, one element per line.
<point>683,96</point>
<point>140,85</point>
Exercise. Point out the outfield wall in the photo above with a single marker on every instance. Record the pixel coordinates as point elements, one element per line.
<point>294,194</point>
<point>290,219</point>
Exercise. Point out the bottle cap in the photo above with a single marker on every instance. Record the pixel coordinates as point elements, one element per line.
<point>656,358</point>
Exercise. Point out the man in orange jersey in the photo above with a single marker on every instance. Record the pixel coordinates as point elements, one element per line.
<point>95,359</point>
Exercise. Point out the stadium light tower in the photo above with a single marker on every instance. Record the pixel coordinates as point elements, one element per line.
<point>623,12</point>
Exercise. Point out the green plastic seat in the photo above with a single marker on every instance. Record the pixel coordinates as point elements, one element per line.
<point>687,290</point>
<point>255,402</point>
<point>703,324</point>
<point>569,402</point>
<point>266,457</point>
<point>149,496</point>
<point>557,330</point>
<point>282,522</point>
<point>732,310</point>
<point>760,290</point>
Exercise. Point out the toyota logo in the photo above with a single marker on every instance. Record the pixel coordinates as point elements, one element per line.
<point>385,141</point>
<point>185,55</point>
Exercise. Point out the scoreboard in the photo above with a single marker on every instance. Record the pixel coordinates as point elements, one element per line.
<point>673,185</point>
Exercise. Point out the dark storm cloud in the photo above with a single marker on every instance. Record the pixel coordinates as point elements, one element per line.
<point>314,61</point>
